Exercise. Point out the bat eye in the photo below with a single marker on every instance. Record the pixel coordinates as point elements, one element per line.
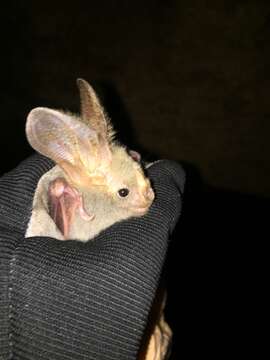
<point>123,192</point>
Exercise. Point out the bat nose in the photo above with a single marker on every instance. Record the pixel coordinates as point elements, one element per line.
<point>149,194</point>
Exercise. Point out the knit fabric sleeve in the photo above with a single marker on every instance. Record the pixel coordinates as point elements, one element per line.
<point>68,300</point>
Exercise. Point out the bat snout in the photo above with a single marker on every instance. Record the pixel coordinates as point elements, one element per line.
<point>146,200</point>
<point>149,194</point>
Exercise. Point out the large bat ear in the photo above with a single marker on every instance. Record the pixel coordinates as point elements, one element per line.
<point>92,112</point>
<point>66,140</point>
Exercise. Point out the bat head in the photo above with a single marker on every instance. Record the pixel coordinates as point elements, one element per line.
<point>130,189</point>
<point>85,149</point>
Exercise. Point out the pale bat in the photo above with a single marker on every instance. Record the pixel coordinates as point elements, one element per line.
<point>96,182</point>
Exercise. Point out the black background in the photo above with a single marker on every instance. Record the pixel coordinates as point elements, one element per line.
<point>184,80</point>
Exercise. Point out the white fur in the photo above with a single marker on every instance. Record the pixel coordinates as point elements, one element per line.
<point>98,203</point>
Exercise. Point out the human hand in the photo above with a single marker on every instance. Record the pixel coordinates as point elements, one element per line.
<point>74,300</point>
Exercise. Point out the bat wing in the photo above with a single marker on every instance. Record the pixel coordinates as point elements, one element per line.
<point>63,203</point>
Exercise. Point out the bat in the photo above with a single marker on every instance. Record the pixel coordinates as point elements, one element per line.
<point>96,181</point>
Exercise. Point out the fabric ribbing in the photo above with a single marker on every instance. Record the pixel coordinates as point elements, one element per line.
<point>74,300</point>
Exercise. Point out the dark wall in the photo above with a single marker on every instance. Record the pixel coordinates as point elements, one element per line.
<point>189,80</point>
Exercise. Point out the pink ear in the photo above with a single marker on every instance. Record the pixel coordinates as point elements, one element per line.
<point>73,145</point>
<point>60,136</point>
<point>135,155</point>
<point>92,112</point>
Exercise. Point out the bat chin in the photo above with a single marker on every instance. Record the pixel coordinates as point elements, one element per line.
<point>141,208</point>
<point>140,211</point>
